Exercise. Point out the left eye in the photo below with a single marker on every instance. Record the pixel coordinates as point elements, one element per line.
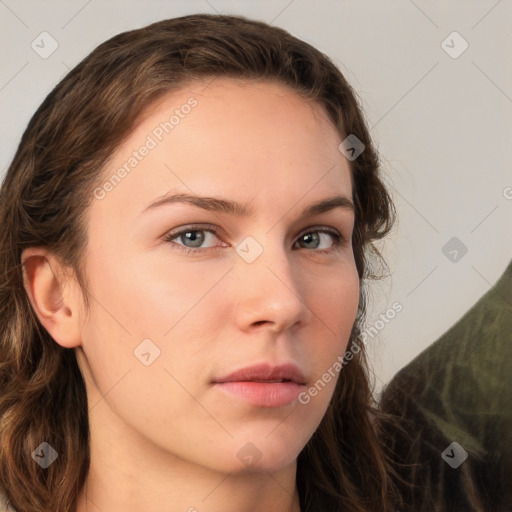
<point>193,238</point>
<point>315,238</point>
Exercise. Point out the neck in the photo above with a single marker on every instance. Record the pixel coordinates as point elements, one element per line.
<point>201,492</point>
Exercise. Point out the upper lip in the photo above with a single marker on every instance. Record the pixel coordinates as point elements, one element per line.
<point>265,372</point>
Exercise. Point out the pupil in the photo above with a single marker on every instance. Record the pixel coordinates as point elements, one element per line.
<point>192,236</point>
<point>310,236</point>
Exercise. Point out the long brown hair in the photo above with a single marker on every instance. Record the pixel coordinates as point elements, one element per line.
<point>43,201</point>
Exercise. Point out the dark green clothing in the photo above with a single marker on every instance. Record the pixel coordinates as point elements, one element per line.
<point>458,389</point>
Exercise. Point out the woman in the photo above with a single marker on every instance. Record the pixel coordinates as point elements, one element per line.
<point>186,229</point>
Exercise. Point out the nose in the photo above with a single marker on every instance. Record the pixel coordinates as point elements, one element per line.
<point>270,291</point>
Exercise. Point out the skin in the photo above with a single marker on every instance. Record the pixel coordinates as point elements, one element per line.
<point>162,437</point>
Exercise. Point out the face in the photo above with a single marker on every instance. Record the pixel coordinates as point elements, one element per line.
<point>187,292</point>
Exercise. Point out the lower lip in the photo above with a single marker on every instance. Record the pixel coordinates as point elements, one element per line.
<point>263,394</point>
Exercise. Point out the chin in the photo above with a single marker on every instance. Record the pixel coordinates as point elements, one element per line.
<point>275,445</point>
<point>266,454</point>
<point>240,456</point>
<point>269,464</point>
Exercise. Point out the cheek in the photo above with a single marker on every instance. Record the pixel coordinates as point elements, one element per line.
<point>336,303</point>
<point>140,299</point>
<point>146,296</point>
<point>336,306</point>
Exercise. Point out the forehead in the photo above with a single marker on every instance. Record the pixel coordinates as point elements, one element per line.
<point>221,106</point>
<point>232,138</point>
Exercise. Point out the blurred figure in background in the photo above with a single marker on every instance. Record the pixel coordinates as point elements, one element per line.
<point>455,404</point>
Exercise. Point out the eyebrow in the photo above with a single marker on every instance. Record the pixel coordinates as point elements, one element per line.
<point>217,204</point>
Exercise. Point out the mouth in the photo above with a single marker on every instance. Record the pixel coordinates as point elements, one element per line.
<point>271,381</point>
<point>263,385</point>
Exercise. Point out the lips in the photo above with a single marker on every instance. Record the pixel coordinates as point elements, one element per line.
<point>265,373</point>
<point>263,385</point>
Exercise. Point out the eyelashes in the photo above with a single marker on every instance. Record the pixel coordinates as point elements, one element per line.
<point>338,241</point>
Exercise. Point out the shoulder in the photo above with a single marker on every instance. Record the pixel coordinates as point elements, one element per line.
<point>3,504</point>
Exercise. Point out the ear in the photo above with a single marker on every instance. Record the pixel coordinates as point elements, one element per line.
<point>52,293</point>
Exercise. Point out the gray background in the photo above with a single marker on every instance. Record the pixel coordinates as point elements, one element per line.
<point>442,125</point>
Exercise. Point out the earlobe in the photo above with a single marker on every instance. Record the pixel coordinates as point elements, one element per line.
<point>49,292</point>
